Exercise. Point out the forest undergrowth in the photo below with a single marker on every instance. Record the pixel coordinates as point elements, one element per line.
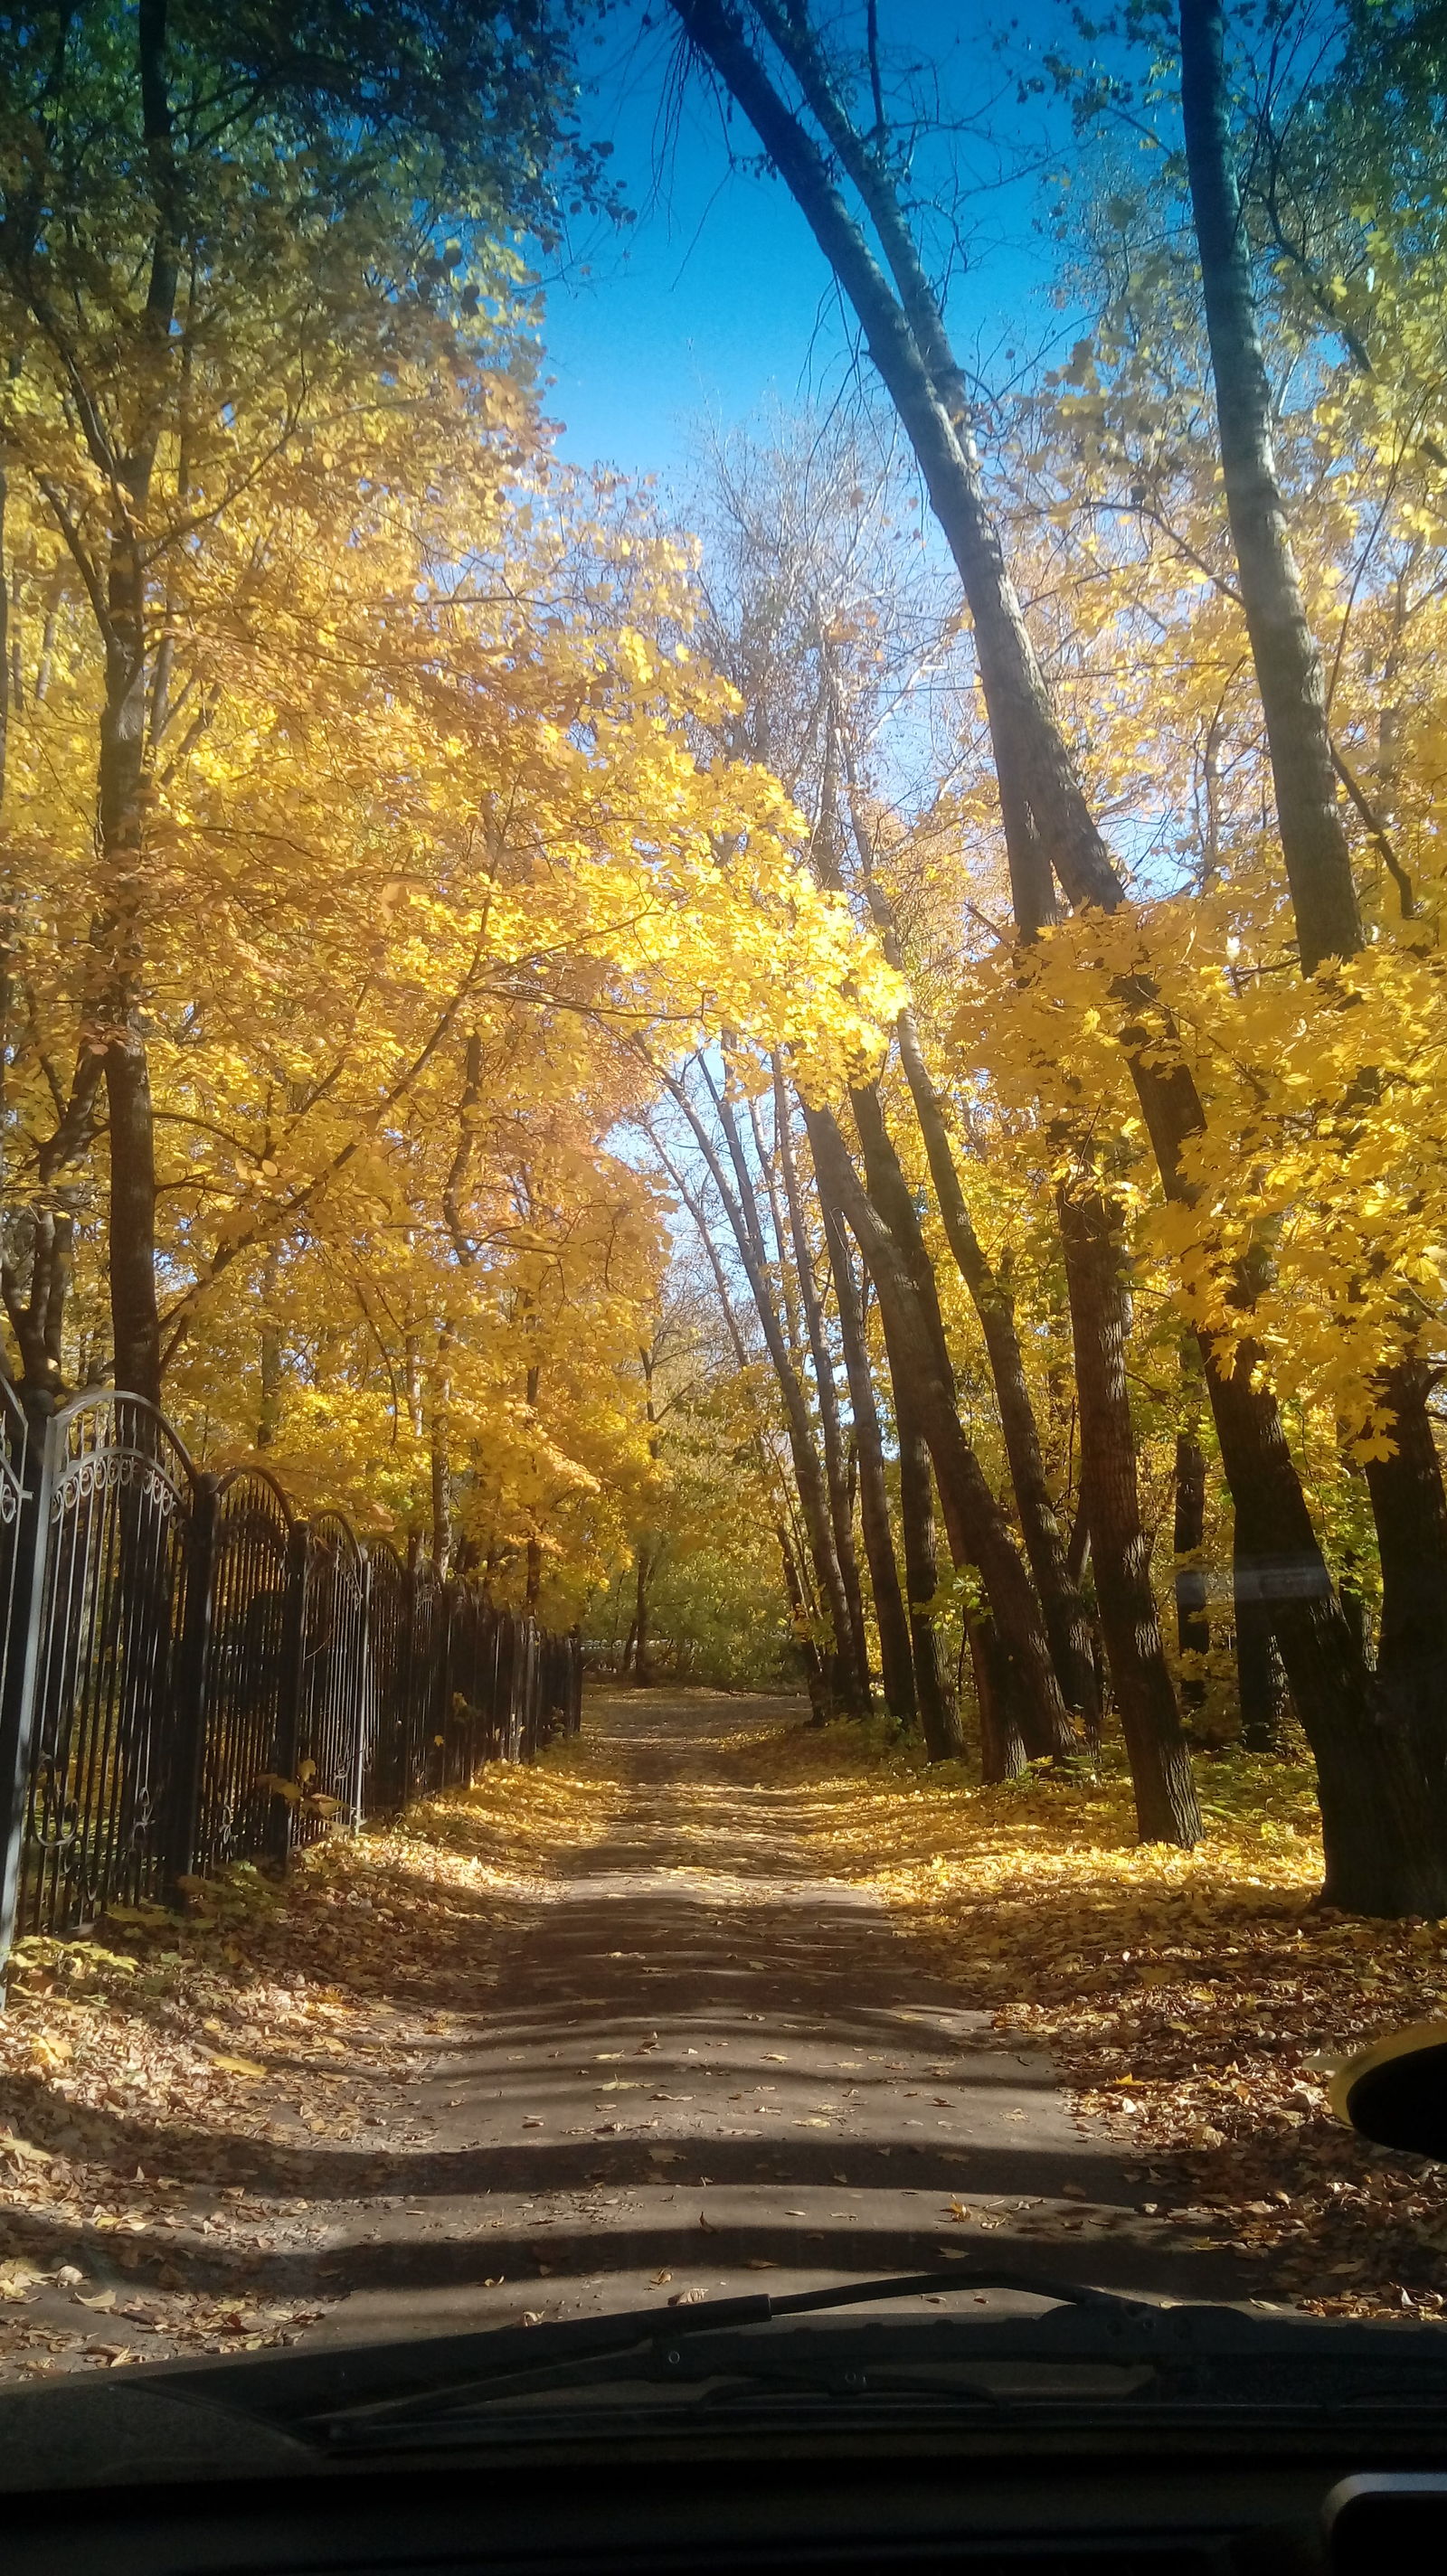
<point>1196,2001</point>
<point>185,2101</point>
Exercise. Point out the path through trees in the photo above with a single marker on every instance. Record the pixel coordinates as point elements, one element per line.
<point>707,2002</point>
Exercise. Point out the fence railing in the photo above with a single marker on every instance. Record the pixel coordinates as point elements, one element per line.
<point>191,1674</point>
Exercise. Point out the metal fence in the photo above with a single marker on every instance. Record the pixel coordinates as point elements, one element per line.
<point>191,1674</point>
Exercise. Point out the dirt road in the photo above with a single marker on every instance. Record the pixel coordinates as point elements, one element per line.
<point>700,2066</point>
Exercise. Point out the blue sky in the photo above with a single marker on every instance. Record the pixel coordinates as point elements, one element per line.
<point>716,300</point>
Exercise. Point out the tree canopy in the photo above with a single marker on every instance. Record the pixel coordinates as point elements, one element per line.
<point>839,1072</point>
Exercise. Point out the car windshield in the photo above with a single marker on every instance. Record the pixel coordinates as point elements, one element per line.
<point>723,1072</point>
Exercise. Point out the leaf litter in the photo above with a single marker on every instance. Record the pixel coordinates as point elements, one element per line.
<point>198,2110</point>
<point>1195,2002</point>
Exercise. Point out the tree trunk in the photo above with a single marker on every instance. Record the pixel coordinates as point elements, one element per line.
<point>976,1526</point>
<point>1384,1854</point>
<point>131,1244</point>
<point>642,1658</point>
<point>895,1650</point>
<point>938,1707</point>
<point>1193,1626</point>
<point>1283,648</point>
<point>441,1458</point>
<point>1095,1276</point>
<point>836,1470</point>
<point>268,1411</point>
<point>1410,1511</point>
<point>38,1320</point>
<point>808,1477</point>
<point>1043,1716</point>
<point>135,1315</point>
<point>1066,1624</point>
<point>1067,1627</point>
<point>799,1613</point>
<point>1002,1746</point>
<point>794,1562</point>
<point>1260,1679</point>
<point>1406,1489</point>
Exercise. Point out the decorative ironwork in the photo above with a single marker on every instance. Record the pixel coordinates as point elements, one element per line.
<point>191,1675</point>
<point>111,1614</point>
<point>256,1584</point>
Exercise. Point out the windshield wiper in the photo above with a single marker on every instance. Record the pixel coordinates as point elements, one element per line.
<point>1213,2356</point>
<point>520,2360</point>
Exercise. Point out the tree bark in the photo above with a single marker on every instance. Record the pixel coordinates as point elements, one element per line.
<point>794,1561</point>
<point>441,1457</point>
<point>1046,1724</point>
<point>938,1707</point>
<point>642,1653</point>
<point>799,1612</point>
<point>1193,1626</point>
<point>1283,648</point>
<point>1066,1624</point>
<point>1095,1276</point>
<point>836,1470</point>
<point>1260,1680</point>
<point>808,1476</point>
<point>131,1244</point>
<point>976,1526</point>
<point>135,1314</point>
<point>271,1374</point>
<point>1410,1512</point>
<point>38,1319</point>
<point>891,1618</point>
<point>1002,1746</point>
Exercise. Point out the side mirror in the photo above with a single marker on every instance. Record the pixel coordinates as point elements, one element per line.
<point>1395,2092</point>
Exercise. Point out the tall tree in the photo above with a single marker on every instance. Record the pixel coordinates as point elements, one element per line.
<point>172,310</point>
<point>1404,1473</point>
<point>1383,1852</point>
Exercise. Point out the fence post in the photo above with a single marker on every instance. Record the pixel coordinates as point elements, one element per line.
<point>23,1658</point>
<point>184,1821</point>
<point>293,1680</point>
